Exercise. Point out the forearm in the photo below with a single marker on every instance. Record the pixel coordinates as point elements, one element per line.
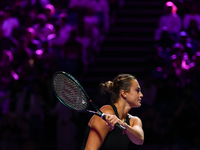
<point>135,134</point>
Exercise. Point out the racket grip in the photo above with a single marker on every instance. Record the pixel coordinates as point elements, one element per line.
<point>117,125</point>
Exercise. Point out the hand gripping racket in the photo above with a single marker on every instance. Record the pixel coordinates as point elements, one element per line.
<point>69,91</point>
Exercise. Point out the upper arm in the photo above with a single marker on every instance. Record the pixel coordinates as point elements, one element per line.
<point>135,121</point>
<point>135,132</point>
<point>98,130</point>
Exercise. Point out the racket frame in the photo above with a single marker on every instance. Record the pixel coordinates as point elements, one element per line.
<point>98,111</point>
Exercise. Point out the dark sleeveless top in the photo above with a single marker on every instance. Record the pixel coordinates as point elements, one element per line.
<point>114,140</point>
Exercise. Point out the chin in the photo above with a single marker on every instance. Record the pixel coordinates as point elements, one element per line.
<point>136,106</point>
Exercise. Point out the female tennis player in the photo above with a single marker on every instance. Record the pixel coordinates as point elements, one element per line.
<point>125,94</point>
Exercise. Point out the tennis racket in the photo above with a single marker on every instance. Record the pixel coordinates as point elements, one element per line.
<point>70,92</point>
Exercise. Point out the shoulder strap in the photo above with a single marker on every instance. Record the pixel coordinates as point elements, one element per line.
<point>115,109</point>
<point>128,119</point>
<point>116,113</point>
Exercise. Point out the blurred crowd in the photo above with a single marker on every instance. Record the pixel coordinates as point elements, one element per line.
<point>177,42</point>
<point>171,87</point>
<point>38,38</point>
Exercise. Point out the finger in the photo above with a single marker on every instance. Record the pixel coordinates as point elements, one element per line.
<point>111,127</point>
<point>108,117</point>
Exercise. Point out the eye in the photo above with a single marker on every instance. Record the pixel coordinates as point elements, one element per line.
<point>138,90</point>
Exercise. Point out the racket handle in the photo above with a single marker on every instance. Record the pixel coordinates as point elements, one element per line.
<point>117,125</point>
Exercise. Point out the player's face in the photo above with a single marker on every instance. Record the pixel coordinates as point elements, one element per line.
<point>134,96</point>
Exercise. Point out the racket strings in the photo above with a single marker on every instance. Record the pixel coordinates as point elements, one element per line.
<point>69,92</point>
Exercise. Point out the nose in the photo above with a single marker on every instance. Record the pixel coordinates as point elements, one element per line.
<point>141,95</point>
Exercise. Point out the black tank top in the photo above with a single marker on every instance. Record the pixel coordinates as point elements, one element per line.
<point>114,140</point>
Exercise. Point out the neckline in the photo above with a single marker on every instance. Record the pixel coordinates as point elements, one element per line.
<point>116,113</point>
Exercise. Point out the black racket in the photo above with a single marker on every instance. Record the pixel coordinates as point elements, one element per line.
<point>69,91</point>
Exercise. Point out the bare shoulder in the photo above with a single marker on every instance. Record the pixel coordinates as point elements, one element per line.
<point>134,120</point>
<point>107,109</point>
<point>96,120</point>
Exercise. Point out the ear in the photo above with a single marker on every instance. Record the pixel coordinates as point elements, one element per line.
<point>124,94</point>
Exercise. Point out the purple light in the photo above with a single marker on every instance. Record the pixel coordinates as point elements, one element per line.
<point>188,80</point>
<point>159,69</point>
<point>168,49</point>
<point>15,76</point>
<point>39,52</point>
<point>185,56</point>
<point>198,53</point>
<point>194,57</point>
<point>174,56</point>
<point>165,76</point>
<point>192,64</point>
<point>184,65</point>
<point>9,54</point>
<point>160,49</point>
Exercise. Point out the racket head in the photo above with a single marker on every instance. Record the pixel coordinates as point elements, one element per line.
<point>69,91</point>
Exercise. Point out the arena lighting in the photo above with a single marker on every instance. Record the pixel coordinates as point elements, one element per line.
<point>159,69</point>
<point>174,56</point>
<point>198,53</point>
<point>14,74</point>
<point>39,53</point>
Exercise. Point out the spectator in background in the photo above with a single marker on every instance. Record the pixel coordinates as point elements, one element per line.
<point>55,40</point>
<point>42,3</point>
<point>78,5</point>
<point>166,40</point>
<point>101,10</point>
<point>70,56</point>
<point>91,27</point>
<point>30,43</point>
<point>8,43</point>
<point>171,20</point>
<point>193,32</point>
<point>12,42</point>
<point>43,28</point>
<point>86,44</point>
<point>76,11</point>
<point>30,19</point>
<point>49,11</point>
<point>193,14</point>
<point>10,22</point>
<point>182,64</point>
<point>65,27</point>
<point>2,17</point>
<point>55,44</point>
<point>164,46</point>
<point>19,11</point>
<point>46,55</point>
<point>184,39</point>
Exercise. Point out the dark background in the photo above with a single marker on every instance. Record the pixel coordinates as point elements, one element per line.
<point>32,118</point>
